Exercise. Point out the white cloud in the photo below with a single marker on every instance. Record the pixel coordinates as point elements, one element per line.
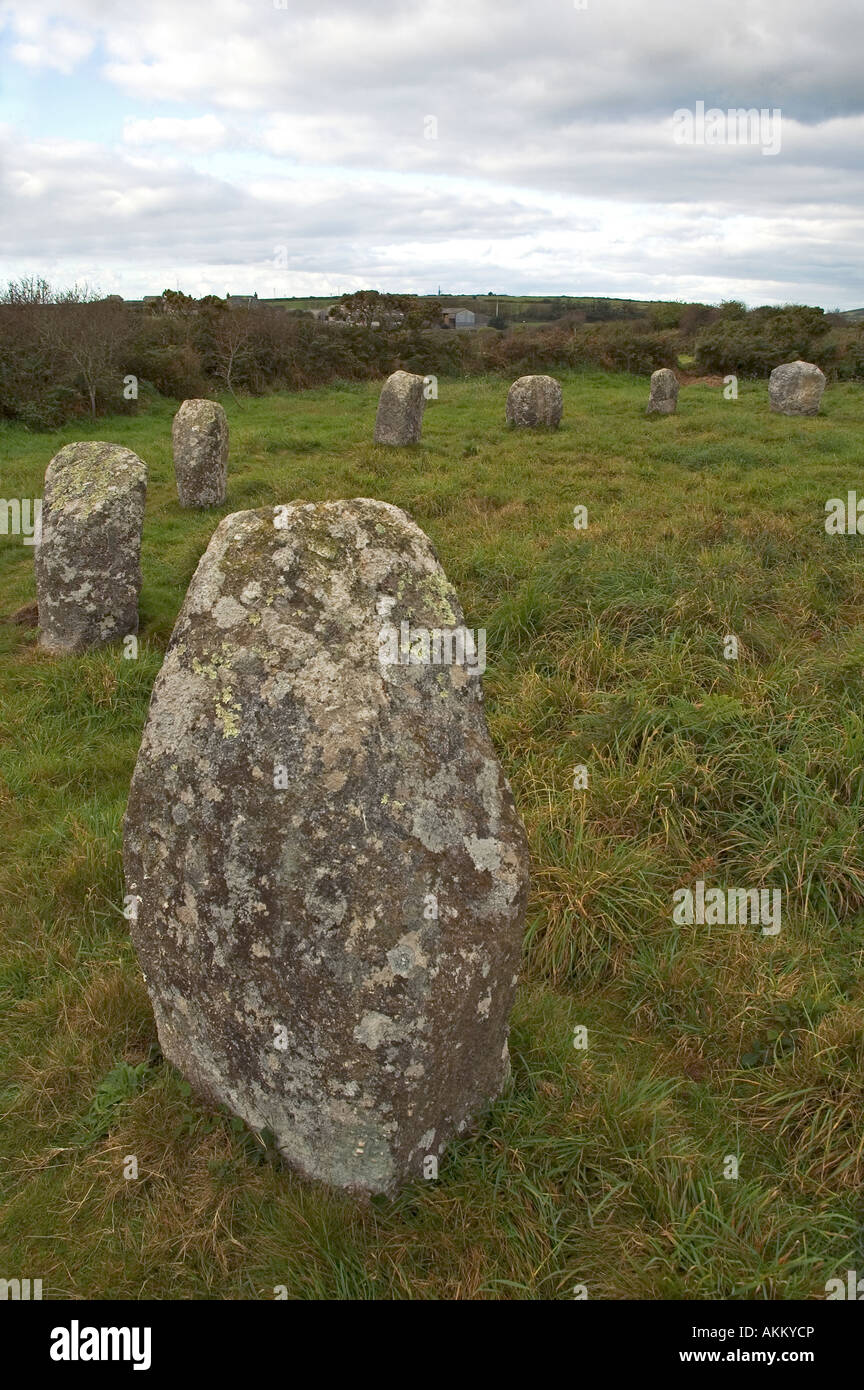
<point>53,46</point>
<point>554,165</point>
<point>112,218</point>
<point>191,134</point>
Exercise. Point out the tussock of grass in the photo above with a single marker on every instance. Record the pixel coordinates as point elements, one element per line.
<point>602,1166</point>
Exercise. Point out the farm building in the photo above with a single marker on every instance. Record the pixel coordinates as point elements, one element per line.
<point>456,317</point>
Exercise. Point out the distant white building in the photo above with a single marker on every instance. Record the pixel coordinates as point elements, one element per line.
<point>454,316</point>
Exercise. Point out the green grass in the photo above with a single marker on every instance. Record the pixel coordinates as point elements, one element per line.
<point>602,1166</point>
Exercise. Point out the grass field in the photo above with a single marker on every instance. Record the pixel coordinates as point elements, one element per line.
<point>603,1166</point>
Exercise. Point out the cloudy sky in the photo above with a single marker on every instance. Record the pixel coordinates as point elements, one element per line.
<point>311,146</point>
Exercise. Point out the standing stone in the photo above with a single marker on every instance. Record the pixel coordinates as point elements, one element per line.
<point>88,565</point>
<point>399,418</point>
<point>796,388</point>
<point>663,399</point>
<point>200,438</point>
<point>326,866</point>
<point>535,402</point>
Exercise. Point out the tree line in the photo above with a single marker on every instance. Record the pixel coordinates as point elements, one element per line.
<point>71,353</point>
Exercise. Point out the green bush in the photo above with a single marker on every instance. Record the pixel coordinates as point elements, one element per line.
<point>753,344</point>
<point>66,355</point>
<point>623,348</point>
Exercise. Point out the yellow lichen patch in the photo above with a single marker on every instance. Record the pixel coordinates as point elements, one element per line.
<point>226,713</point>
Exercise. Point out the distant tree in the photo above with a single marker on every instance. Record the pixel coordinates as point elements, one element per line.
<point>177,304</point>
<point>695,316</point>
<point>421,313</point>
<point>733,309</point>
<point>91,335</point>
<point>231,336</point>
<point>76,334</point>
<point>663,315</point>
<point>367,307</point>
<point>27,292</point>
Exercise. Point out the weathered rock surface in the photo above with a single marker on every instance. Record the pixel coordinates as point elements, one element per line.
<point>327,865</point>
<point>535,402</point>
<point>88,565</point>
<point>796,388</point>
<point>663,397</point>
<point>199,435</point>
<point>399,418</point>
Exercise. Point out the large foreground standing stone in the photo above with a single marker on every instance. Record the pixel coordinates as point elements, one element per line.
<point>796,388</point>
<point>327,866</point>
<point>535,402</point>
<point>663,397</point>
<point>399,418</point>
<point>88,565</point>
<point>199,435</point>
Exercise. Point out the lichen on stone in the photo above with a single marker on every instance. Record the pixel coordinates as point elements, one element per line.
<point>312,899</point>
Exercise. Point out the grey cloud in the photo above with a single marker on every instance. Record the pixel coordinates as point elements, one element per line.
<point>542,111</point>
